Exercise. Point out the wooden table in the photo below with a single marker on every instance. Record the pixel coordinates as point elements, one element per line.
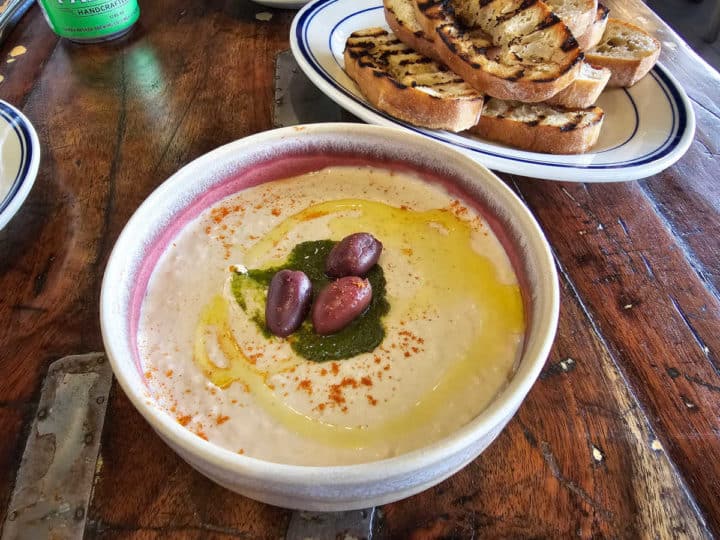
<point>620,437</point>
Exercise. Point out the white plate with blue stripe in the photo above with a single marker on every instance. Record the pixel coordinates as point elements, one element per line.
<point>19,160</point>
<point>646,129</point>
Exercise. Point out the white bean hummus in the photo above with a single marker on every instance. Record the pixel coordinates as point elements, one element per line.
<point>453,333</point>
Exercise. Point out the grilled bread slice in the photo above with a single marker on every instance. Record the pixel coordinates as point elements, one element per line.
<point>594,34</point>
<point>400,15</point>
<point>510,49</point>
<point>627,51</point>
<point>539,127</point>
<point>583,91</point>
<point>578,15</point>
<point>408,85</point>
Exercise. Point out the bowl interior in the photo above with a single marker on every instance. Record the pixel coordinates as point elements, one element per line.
<point>289,152</point>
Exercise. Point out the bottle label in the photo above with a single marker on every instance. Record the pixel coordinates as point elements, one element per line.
<point>90,19</point>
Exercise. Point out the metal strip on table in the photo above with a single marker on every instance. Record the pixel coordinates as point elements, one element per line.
<point>355,524</point>
<point>298,100</point>
<point>54,482</point>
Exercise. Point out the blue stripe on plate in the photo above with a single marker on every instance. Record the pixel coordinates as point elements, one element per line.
<point>635,127</point>
<point>671,92</point>
<point>23,134</point>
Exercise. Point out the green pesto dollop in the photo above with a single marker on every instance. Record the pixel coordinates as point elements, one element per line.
<point>362,335</point>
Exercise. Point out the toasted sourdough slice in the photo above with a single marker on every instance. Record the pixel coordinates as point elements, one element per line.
<point>594,34</point>
<point>582,92</point>
<point>585,90</point>
<point>408,85</point>
<point>510,49</point>
<point>627,51</point>
<point>400,15</point>
<point>578,15</point>
<point>539,127</point>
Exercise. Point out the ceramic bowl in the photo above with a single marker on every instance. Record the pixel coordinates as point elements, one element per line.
<point>276,154</point>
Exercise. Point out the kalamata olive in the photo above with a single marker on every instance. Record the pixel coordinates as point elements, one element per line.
<point>339,303</point>
<point>354,255</point>
<point>288,302</point>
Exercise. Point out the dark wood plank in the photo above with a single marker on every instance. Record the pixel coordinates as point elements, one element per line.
<point>554,471</point>
<point>686,195</point>
<point>153,534</point>
<point>143,487</point>
<point>653,311</point>
<point>19,76</point>
<point>51,271</point>
<point>12,420</point>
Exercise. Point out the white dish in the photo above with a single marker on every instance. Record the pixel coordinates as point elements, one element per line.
<point>647,128</point>
<point>19,160</point>
<point>283,4</point>
<point>283,153</point>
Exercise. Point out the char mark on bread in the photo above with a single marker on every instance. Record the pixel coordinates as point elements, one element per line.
<point>568,125</point>
<point>572,124</point>
<point>549,21</point>
<point>510,49</point>
<point>410,61</point>
<point>517,76</point>
<point>427,6</point>
<point>408,85</point>
<point>570,44</point>
<point>502,17</point>
<point>375,33</point>
<point>539,127</point>
<point>450,44</point>
<point>603,13</point>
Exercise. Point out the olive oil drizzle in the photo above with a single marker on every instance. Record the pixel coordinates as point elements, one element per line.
<point>215,317</point>
<point>438,244</point>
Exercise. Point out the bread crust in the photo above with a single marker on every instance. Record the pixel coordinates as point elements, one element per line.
<point>626,71</point>
<point>584,91</point>
<point>400,15</point>
<point>594,33</point>
<point>534,136</point>
<point>420,108</point>
<point>580,21</point>
<point>471,58</point>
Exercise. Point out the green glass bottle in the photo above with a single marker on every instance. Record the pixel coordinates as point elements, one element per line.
<point>90,21</point>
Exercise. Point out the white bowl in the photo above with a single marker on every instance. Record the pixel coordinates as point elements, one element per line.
<point>274,154</point>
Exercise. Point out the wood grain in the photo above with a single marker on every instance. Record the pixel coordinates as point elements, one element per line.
<point>34,34</point>
<point>642,294</point>
<point>175,533</point>
<point>12,420</point>
<point>554,470</point>
<point>686,195</point>
<point>142,486</point>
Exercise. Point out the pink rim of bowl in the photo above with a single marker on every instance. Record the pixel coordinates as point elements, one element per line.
<point>287,152</point>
